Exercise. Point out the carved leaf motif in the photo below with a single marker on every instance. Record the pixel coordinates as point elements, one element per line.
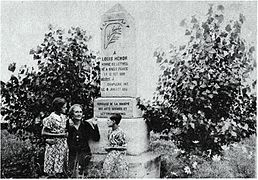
<point>113,34</point>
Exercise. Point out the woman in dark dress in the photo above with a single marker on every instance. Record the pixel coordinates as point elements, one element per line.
<point>79,133</point>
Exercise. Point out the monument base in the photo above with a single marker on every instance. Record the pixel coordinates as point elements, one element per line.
<point>145,165</point>
<point>136,131</point>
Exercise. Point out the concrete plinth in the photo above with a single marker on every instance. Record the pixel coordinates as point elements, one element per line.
<point>136,132</point>
<point>145,165</point>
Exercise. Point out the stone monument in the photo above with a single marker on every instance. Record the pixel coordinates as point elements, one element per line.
<point>119,91</point>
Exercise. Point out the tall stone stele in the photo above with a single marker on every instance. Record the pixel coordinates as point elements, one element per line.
<point>119,91</point>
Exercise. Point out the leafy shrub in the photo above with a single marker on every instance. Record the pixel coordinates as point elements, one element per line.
<point>242,158</point>
<point>210,169</point>
<point>19,158</point>
<point>173,160</point>
<point>237,160</point>
<point>95,170</point>
<point>202,92</point>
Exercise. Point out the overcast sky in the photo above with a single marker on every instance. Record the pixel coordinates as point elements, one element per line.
<point>23,24</point>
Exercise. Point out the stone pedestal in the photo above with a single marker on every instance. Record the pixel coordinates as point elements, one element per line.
<point>136,131</point>
<point>145,165</point>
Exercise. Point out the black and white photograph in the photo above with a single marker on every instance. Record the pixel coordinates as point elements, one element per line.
<point>128,89</point>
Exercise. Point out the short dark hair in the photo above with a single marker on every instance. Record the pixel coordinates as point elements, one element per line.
<point>116,117</point>
<point>58,103</point>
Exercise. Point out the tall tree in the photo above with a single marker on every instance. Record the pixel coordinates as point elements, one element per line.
<point>202,92</point>
<point>66,68</point>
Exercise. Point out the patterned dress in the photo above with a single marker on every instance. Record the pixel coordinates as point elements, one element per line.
<point>56,155</point>
<point>115,165</point>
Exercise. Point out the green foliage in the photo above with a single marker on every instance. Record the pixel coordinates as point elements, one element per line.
<point>19,158</point>
<point>94,170</point>
<point>203,96</point>
<point>237,160</point>
<point>212,169</point>
<point>66,68</point>
<point>242,158</point>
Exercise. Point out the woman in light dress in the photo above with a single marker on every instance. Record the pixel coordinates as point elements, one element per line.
<point>54,130</point>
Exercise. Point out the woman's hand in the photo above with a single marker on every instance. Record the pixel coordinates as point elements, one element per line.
<point>94,121</point>
<point>64,134</point>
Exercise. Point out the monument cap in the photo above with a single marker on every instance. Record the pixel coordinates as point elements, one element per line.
<point>116,8</point>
